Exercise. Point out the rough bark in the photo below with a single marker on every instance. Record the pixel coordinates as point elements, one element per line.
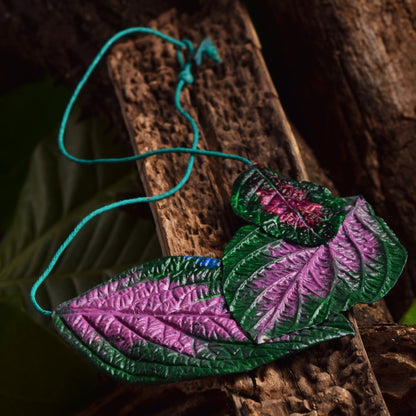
<point>348,79</point>
<point>61,38</point>
<point>392,351</point>
<point>238,111</point>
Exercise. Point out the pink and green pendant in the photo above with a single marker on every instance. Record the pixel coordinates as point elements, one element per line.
<point>281,287</point>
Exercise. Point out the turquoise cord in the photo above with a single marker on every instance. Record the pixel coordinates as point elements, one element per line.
<point>84,79</point>
<point>185,77</point>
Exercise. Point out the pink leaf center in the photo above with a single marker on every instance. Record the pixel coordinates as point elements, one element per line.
<point>291,205</point>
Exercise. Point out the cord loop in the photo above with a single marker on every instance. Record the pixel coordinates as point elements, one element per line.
<point>187,44</point>
<point>206,49</point>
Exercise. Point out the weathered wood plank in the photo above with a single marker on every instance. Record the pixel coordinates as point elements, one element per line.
<point>244,130</point>
<point>392,351</point>
<point>238,111</point>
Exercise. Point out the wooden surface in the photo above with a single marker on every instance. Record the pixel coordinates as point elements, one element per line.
<point>145,72</point>
<point>238,111</point>
<point>392,350</point>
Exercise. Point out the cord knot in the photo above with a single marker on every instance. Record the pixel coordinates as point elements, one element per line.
<point>185,75</point>
<point>206,49</point>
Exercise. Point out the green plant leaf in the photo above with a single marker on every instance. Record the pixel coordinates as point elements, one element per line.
<point>28,114</point>
<point>39,373</point>
<point>54,198</point>
<point>409,318</point>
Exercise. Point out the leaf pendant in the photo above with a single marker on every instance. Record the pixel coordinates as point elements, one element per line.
<point>167,320</point>
<point>273,287</point>
<point>281,286</point>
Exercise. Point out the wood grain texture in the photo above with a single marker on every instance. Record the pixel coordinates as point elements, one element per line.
<point>392,351</point>
<point>243,130</point>
<point>238,111</point>
<point>348,79</point>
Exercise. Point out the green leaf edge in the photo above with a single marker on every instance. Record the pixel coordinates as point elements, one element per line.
<point>337,327</point>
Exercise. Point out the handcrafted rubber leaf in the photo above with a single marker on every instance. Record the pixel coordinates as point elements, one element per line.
<point>299,212</point>
<point>273,287</point>
<point>167,320</point>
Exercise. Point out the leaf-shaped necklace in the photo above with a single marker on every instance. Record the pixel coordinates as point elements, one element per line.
<point>280,286</point>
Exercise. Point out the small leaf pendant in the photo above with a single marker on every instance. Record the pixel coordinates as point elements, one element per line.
<point>299,212</point>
